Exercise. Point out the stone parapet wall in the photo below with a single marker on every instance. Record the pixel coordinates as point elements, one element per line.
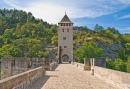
<point>101,62</point>
<point>13,66</point>
<point>53,65</point>
<point>80,65</point>
<point>50,66</point>
<point>22,80</point>
<point>118,79</point>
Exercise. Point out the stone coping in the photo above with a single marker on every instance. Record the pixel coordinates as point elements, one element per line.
<point>118,79</point>
<point>80,65</point>
<point>25,77</point>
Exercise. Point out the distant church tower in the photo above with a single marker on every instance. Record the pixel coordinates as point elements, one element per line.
<point>65,40</point>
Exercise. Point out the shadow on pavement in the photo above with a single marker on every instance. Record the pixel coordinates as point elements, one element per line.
<point>38,84</point>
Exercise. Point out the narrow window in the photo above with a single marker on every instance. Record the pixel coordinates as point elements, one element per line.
<point>62,30</point>
<point>64,38</point>
<point>65,46</point>
<point>69,24</point>
<point>67,30</point>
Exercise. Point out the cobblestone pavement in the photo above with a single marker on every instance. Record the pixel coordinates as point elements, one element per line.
<point>68,76</point>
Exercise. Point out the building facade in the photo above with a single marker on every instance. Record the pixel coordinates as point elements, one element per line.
<point>65,39</point>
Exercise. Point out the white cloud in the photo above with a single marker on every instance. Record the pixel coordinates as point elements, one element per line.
<point>48,12</point>
<point>53,11</point>
<point>125,1</point>
<point>124,30</point>
<point>125,16</point>
<point>11,3</point>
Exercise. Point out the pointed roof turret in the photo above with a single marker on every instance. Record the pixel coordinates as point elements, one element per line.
<point>65,19</point>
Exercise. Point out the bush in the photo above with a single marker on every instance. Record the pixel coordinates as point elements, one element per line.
<point>120,65</point>
<point>46,54</point>
<point>109,64</point>
<point>117,64</point>
<point>128,65</point>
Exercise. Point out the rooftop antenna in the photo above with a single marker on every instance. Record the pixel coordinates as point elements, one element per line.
<point>65,12</point>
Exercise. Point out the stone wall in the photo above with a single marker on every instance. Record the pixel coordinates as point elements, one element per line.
<point>90,62</point>
<point>118,79</point>
<point>6,67</point>
<point>13,66</point>
<point>53,65</point>
<point>22,80</point>
<point>37,62</point>
<point>100,62</point>
<point>26,79</point>
<point>80,65</point>
<point>20,65</point>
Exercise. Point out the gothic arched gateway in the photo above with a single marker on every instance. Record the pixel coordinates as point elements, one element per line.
<point>65,58</point>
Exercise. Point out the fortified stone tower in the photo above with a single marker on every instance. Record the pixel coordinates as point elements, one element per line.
<point>65,40</point>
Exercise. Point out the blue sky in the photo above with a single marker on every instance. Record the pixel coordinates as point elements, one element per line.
<point>106,13</point>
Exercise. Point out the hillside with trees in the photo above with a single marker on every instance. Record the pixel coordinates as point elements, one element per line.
<point>23,35</point>
<point>100,42</point>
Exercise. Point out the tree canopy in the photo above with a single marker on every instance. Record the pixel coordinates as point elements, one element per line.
<point>88,50</point>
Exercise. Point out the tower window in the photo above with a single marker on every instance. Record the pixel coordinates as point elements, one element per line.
<point>64,38</point>
<point>62,30</point>
<point>67,30</point>
<point>65,46</point>
<point>61,24</point>
<point>69,24</point>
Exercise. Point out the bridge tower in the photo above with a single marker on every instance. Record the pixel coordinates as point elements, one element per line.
<point>65,39</point>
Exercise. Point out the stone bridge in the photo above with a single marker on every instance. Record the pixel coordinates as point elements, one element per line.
<point>67,76</point>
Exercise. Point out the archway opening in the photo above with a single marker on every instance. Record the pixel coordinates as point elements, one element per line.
<point>65,58</point>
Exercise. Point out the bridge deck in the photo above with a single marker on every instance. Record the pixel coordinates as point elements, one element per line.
<point>67,76</point>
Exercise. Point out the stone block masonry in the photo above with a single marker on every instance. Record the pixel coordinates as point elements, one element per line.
<point>22,80</point>
<point>6,67</point>
<point>26,79</point>
<point>118,79</point>
<point>13,66</point>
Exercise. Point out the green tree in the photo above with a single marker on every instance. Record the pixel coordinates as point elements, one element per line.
<point>46,54</point>
<point>1,41</point>
<point>109,34</point>
<point>128,46</point>
<point>54,40</point>
<point>121,54</point>
<point>30,47</point>
<point>109,64</point>
<point>128,65</point>
<point>9,51</point>
<point>88,50</point>
<point>54,29</point>
<point>98,28</point>
<point>9,34</point>
<point>119,65</point>
<point>35,48</point>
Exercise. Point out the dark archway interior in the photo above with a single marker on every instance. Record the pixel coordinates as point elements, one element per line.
<point>65,58</point>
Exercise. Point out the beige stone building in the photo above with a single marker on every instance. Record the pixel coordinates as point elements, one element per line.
<point>65,39</point>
